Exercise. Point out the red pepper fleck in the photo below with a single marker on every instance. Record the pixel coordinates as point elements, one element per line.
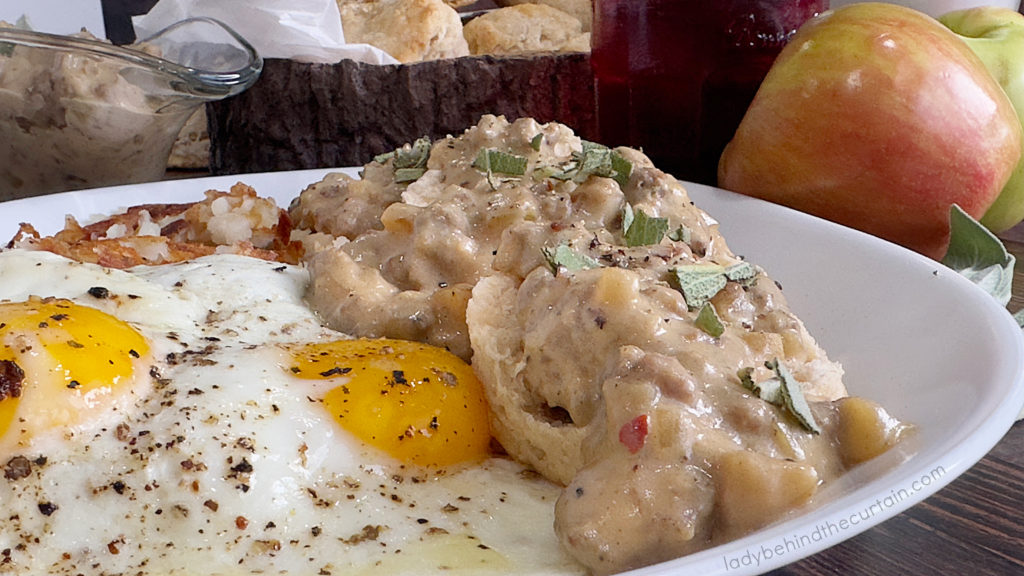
<point>633,434</point>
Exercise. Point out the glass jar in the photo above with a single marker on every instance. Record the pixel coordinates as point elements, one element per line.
<point>77,112</point>
<point>674,77</point>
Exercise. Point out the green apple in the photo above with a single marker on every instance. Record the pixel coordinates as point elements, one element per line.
<point>997,36</point>
<point>878,117</point>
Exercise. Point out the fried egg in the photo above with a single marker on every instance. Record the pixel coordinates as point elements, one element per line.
<point>197,419</point>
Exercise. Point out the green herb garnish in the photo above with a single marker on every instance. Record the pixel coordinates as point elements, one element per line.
<point>596,160</point>
<point>742,272</point>
<point>698,282</point>
<point>406,175</point>
<point>622,169</point>
<point>793,397</point>
<point>546,171</point>
<point>681,234</point>
<point>536,141</point>
<point>782,390</point>
<point>639,229</point>
<point>602,161</point>
<point>976,253</point>
<point>497,162</point>
<point>414,156</point>
<point>563,256</point>
<point>409,162</point>
<point>709,322</point>
<point>769,390</point>
<point>745,375</point>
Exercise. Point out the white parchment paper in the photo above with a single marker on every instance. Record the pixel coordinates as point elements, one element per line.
<point>302,30</point>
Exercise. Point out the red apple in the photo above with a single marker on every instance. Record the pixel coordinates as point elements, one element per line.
<point>878,117</point>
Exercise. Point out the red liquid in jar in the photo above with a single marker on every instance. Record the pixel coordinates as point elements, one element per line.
<point>674,77</point>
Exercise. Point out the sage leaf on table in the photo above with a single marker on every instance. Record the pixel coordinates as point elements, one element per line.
<point>976,253</point>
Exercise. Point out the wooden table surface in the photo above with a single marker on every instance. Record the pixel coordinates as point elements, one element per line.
<point>972,527</point>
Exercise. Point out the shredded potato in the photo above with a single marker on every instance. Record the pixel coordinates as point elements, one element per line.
<point>237,222</point>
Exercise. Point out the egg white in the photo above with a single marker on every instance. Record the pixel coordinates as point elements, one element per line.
<point>230,466</point>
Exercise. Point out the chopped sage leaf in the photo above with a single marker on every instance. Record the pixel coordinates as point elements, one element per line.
<point>978,254</point>
<point>414,156</point>
<point>793,397</point>
<point>698,282</point>
<point>770,390</point>
<point>746,376</point>
<point>709,322</point>
<point>546,171</point>
<point>495,161</point>
<point>404,175</point>
<point>563,256</point>
<point>742,272</point>
<point>566,172</point>
<point>1019,317</point>
<point>596,160</point>
<point>681,234</point>
<point>409,162</point>
<point>622,169</point>
<point>639,229</point>
<point>536,141</point>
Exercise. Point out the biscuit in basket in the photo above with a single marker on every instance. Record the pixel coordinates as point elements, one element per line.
<point>524,29</point>
<point>581,9</point>
<point>408,30</point>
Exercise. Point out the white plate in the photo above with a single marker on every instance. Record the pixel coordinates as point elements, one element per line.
<point>912,335</point>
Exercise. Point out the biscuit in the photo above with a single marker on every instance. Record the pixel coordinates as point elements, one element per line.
<point>408,30</point>
<point>525,29</point>
<point>452,3</point>
<point>521,421</point>
<point>582,10</point>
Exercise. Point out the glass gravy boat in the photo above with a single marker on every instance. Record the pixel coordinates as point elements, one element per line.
<point>77,112</point>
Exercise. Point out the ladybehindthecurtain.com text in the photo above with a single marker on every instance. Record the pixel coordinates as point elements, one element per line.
<point>826,530</point>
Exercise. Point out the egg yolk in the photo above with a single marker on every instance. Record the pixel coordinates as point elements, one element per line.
<point>59,359</point>
<point>419,403</point>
